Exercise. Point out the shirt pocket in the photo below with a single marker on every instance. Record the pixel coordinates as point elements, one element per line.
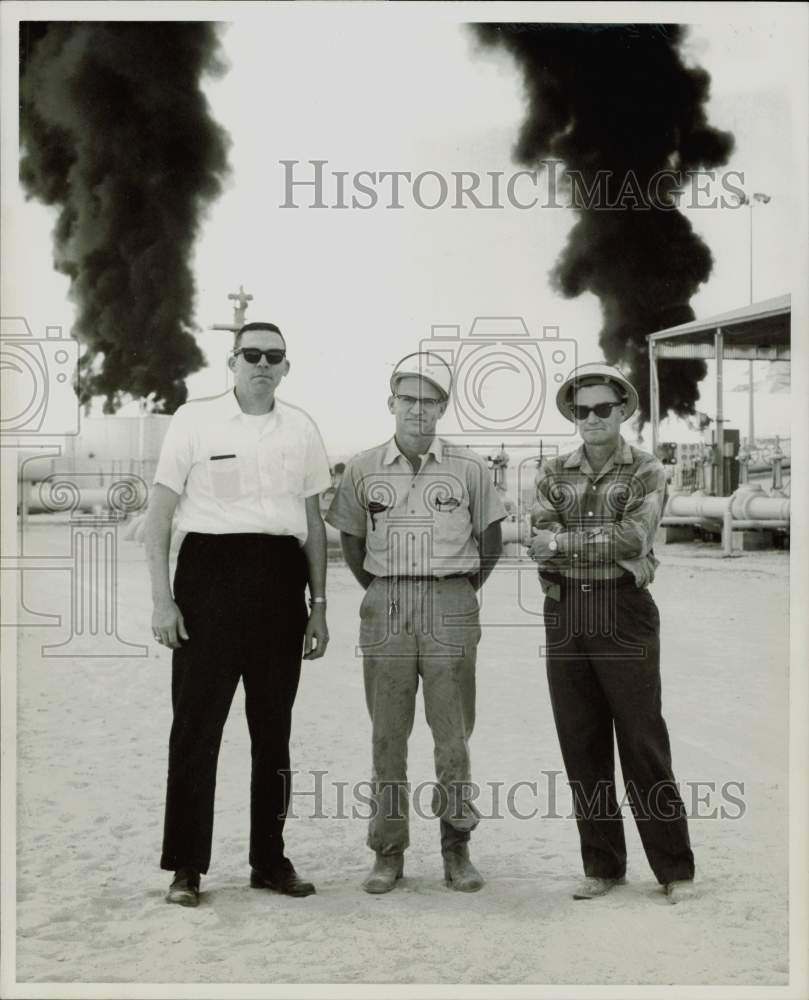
<point>377,514</point>
<point>225,476</point>
<point>451,519</point>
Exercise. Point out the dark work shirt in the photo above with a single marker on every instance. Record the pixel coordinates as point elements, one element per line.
<point>607,520</point>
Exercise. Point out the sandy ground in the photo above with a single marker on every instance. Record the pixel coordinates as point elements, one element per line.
<point>91,771</point>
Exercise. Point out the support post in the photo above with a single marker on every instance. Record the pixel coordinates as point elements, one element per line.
<point>727,532</point>
<point>720,421</point>
<point>654,395</point>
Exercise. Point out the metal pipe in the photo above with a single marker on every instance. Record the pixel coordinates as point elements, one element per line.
<point>670,522</point>
<point>749,506</point>
<point>692,505</point>
<point>764,525</point>
<point>745,505</point>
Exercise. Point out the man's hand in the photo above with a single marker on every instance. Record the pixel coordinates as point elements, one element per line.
<point>168,626</point>
<point>316,636</point>
<point>538,547</point>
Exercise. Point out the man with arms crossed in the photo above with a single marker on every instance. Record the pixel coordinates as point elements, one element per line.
<point>244,471</point>
<point>596,514</point>
<point>419,521</point>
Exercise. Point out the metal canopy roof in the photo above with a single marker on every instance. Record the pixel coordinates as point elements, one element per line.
<point>758,332</point>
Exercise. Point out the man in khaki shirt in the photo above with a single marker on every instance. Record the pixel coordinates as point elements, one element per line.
<point>420,528</point>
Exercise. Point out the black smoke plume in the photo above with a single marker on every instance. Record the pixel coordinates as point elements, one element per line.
<point>116,132</point>
<point>618,98</point>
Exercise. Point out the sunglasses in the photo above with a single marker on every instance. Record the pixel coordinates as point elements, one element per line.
<point>252,355</point>
<point>601,410</point>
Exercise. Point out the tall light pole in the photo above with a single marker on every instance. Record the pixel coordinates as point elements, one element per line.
<point>762,199</point>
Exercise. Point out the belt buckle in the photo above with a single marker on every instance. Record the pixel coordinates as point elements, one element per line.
<point>586,587</point>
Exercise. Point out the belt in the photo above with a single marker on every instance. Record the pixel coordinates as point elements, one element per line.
<point>586,586</point>
<point>431,579</point>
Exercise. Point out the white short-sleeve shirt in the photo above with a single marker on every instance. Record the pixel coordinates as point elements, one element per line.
<point>236,473</point>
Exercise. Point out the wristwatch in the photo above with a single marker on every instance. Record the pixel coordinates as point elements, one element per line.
<point>317,600</point>
<point>553,545</point>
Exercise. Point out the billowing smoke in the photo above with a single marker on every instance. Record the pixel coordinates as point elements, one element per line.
<point>616,103</point>
<point>116,132</point>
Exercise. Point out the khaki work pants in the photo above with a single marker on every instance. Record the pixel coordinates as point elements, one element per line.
<point>426,628</point>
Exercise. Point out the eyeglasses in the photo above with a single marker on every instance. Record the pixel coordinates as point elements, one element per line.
<point>252,355</point>
<point>424,401</point>
<point>601,410</point>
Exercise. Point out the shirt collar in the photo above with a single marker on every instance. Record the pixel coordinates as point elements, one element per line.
<point>392,451</point>
<point>621,456</point>
<point>229,405</point>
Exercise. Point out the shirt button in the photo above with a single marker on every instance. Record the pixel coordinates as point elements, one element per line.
<point>575,556</point>
<point>589,513</point>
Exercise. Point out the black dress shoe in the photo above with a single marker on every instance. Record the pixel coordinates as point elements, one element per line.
<point>184,890</point>
<point>281,878</point>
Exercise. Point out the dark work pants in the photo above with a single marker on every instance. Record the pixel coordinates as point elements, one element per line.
<point>243,601</point>
<point>603,663</point>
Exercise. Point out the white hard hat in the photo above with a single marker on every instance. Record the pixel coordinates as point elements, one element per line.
<point>426,365</point>
<point>596,374</point>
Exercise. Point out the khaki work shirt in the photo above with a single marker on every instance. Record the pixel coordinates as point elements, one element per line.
<point>424,523</point>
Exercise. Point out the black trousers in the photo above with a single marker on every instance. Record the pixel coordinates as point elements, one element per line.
<point>243,601</point>
<point>603,664</point>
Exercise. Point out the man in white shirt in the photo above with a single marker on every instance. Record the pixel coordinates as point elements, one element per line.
<point>244,472</point>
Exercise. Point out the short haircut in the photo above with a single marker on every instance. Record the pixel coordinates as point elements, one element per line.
<point>249,327</point>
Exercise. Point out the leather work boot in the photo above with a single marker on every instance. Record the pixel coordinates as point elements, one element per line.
<point>592,887</point>
<point>459,872</point>
<point>679,891</point>
<point>386,872</point>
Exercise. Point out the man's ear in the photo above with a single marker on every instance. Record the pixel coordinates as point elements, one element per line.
<point>442,409</point>
<point>287,366</point>
<point>232,363</point>
<point>391,404</point>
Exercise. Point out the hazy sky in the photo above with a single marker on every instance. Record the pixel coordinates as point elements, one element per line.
<point>375,88</point>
